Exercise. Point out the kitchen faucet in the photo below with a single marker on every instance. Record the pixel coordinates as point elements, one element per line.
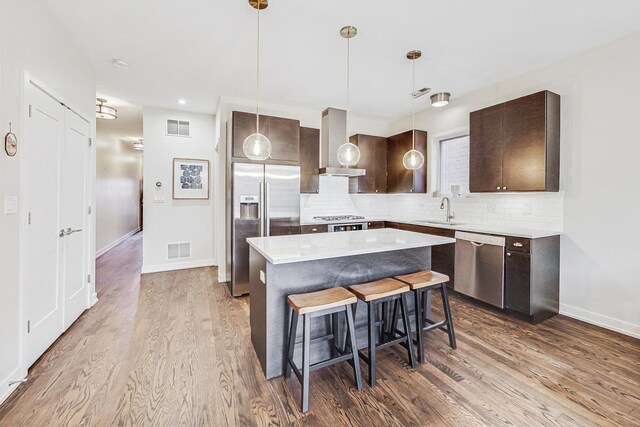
<point>450,214</point>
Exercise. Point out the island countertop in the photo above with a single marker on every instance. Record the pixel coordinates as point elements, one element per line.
<point>308,247</point>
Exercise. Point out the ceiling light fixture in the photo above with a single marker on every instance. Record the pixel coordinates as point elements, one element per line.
<point>257,146</point>
<point>348,153</point>
<point>413,159</point>
<point>105,112</point>
<point>119,63</point>
<point>182,101</point>
<point>440,99</point>
<point>139,144</point>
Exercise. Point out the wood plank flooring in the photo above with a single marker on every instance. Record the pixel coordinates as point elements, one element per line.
<point>174,349</point>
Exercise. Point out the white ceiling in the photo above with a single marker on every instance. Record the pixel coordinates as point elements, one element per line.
<point>202,49</point>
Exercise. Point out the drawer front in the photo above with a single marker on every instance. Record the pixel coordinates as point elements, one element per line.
<point>308,229</point>
<point>375,224</point>
<point>519,245</point>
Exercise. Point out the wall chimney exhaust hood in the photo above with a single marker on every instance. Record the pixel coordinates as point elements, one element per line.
<point>333,135</point>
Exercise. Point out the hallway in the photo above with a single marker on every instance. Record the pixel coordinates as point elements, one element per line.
<point>174,349</point>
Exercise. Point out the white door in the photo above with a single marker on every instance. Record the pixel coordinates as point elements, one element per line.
<point>74,190</point>
<point>42,266</point>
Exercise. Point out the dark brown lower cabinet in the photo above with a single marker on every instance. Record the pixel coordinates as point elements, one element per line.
<point>375,224</point>
<point>532,277</point>
<point>309,229</point>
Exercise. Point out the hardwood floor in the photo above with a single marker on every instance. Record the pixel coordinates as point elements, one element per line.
<point>174,349</point>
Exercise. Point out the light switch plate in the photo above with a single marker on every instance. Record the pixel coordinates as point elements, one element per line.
<point>10,205</point>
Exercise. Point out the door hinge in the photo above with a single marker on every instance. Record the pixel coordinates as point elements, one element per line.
<point>90,142</point>
<point>30,114</point>
<point>29,218</point>
<point>89,210</point>
<point>89,278</point>
<point>28,326</point>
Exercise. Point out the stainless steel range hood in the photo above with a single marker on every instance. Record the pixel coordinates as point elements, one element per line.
<point>334,134</point>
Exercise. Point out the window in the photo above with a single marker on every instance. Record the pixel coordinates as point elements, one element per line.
<point>454,164</point>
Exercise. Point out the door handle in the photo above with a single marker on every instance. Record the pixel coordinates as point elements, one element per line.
<point>261,209</point>
<point>267,210</point>
<point>477,245</point>
<point>68,231</point>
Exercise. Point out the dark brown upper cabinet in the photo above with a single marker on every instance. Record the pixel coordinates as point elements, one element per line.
<point>400,179</point>
<point>373,159</point>
<point>284,135</point>
<point>309,160</point>
<point>515,146</point>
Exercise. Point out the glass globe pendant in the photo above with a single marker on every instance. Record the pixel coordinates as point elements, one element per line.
<point>413,159</point>
<point>257,146</point>
<point>348,154</point>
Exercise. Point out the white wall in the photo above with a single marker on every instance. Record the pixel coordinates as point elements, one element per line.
<point>118,179</point>
<point>176,221</point>
<point>600,147</point>
<point>30,42</point>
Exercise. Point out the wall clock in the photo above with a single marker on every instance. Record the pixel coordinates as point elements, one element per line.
<point>10,143</point>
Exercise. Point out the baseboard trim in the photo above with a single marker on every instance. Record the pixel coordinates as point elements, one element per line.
<point>178,266</point>
<point>222,278</point>
<point>116,243</point>
<point>601,320</point>
<point>94,299</point>
<point>15,375</point>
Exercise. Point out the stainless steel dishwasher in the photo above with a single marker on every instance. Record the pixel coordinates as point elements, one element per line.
<point>479,269</point>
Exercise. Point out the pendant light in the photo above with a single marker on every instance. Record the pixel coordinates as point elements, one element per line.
<point>348,153</point>
<point>257,146</point>
<point>105,112</point>
<point>413,159</point>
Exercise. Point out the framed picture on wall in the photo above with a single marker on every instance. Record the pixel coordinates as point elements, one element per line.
<point>190,179</point>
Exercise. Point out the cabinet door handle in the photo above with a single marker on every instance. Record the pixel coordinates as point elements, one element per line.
<point>498,187</point>
<point>508,253</point>
<point>518,244</point>
<point>504,188</point>
<point>314,229</point>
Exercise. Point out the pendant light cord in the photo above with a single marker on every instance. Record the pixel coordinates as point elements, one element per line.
<point>413,106</point>
<point>348,86</point>
<point>258,72</point>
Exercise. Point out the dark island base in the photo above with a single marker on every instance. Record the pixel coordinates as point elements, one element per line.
<point>269,313</point>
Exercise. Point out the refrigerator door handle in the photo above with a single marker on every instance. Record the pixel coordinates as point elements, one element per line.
<point>267,213</point>
<point>260,209</point>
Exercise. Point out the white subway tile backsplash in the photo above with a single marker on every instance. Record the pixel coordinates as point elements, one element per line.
<point>541,211</point>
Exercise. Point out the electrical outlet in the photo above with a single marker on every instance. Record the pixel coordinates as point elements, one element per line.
<point>492,207</point>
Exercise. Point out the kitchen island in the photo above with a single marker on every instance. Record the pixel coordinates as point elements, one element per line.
<point>284,265</point>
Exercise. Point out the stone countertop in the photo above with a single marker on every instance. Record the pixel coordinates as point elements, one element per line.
<point>308,247</point>
<point>528,233</point>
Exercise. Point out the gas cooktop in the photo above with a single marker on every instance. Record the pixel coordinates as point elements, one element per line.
<point>338,217</point>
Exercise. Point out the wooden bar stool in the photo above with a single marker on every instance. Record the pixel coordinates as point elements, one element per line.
<point>316,304</point>
<point>382,292</point>
<point>420,283</point>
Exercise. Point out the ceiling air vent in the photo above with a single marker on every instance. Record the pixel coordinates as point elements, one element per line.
<point>178,250</point>
<point>178,128</point>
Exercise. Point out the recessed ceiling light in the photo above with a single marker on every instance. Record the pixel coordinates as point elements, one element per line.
<point>119,63</point>
<point>181,101</point>
<point>440,99</point>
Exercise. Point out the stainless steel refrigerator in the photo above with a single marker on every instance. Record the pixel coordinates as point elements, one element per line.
<point>266,202</point>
